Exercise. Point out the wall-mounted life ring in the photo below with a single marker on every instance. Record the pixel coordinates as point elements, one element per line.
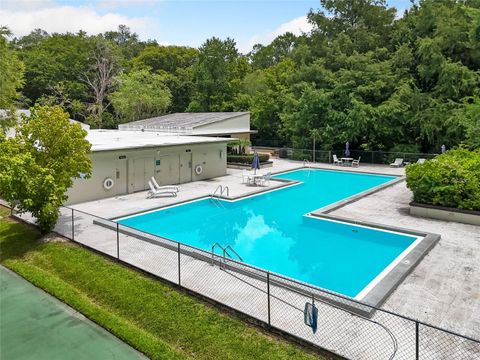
<point>108,183</point>
<point>198,169</point>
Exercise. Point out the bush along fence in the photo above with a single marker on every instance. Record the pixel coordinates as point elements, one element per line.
<point>326,156</point>
<point>246,159</point>
<point>271,300</point>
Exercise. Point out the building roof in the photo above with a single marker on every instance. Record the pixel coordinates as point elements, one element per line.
<point>105,140</point>
<point>26,112</point>
<point>182,121</point>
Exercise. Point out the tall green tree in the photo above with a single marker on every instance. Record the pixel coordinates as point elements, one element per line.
<point>215,73</point>
<point>175,63</point>
<point>140,95</point>
<point>166,58</point>
<point>57,60</point>
<point>38,165</point>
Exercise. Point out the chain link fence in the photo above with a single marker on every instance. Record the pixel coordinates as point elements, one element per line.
<point>346,327</point>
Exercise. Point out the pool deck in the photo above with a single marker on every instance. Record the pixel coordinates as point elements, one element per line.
<point>442,289</point>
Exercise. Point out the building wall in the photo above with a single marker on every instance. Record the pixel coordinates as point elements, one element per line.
<point>131,169</point>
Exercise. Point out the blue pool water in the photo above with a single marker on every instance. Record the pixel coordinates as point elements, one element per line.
<point>270,231</point>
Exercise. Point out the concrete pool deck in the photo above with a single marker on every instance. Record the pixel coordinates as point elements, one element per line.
<point>427,285</point>
<point>442,289</point>
<point>35,325</point>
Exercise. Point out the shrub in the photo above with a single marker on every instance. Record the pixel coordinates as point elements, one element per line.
<point>246,159</point>
<point>451,179</point>
<point>283,153</point>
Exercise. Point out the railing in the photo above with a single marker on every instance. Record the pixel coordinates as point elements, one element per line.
<point>270,299</point>
<point>225,253</point>
<point>221,191</point>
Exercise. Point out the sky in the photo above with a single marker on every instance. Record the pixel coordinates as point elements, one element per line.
<point>169,22</point>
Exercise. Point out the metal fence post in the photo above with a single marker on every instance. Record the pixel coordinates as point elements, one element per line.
<point>268,297</point>
<point>372,157</point>
<point>73,226</point>
<point>417,345</point>
<point>118,244</point>
<point>179,283</point>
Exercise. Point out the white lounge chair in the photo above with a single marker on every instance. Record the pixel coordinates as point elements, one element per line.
<point>336,160</point>
<point>356,162</point>
<point>397,163</point>
<point>159,192</point>
<point>164,187</point>
<point>421,161</point>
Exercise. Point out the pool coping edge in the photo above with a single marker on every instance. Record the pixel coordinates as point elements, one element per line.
<point>387,285</point>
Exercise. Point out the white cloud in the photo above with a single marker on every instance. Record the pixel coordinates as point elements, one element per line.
<point>296,26</point>
<point>115,4</point>
<point>54,18</point>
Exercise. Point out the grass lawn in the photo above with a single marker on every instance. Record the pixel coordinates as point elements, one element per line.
<point>153,317</point>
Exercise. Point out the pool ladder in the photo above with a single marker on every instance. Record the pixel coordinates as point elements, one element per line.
<point>220,190</point>
<point>225,252</point>
<point>306,164</point>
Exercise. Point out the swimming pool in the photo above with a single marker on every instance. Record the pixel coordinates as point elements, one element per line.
<point>273,231</point>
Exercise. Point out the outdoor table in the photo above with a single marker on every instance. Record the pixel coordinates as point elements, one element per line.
<point>346,161</point>
<point>254,177</point>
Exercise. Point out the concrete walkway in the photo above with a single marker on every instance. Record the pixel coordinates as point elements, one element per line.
<point>34,325</point>
<point>137,202</point>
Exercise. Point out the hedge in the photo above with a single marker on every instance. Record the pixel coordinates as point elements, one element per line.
<point>246,159</point>
<point>451,179</point>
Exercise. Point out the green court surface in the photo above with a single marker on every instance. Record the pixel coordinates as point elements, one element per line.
<point>34,325</point>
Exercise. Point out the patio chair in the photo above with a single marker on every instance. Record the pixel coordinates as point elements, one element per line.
<point>152,193</point>
<point>356,162</point>
<point>164,187</point>
<point>336,160</point>
<point>397,163</point>
<point>266,179</point>
<point>245,177</point>
<point>421,161</point>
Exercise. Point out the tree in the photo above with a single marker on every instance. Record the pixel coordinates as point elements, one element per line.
<point>166,58</point>
<point>280,49</point>
<point>364,24</point>
<point>141,94</point>
<point>175,63</point>
<point>11,76</point>
<point>213,75</point>
<point>127,41</point>
<point>39,164</point>
<point>58,59</point>
<point>101,80</point>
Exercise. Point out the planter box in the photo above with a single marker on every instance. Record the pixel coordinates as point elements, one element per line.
<point>263,165</point>
<point>445,213</point>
